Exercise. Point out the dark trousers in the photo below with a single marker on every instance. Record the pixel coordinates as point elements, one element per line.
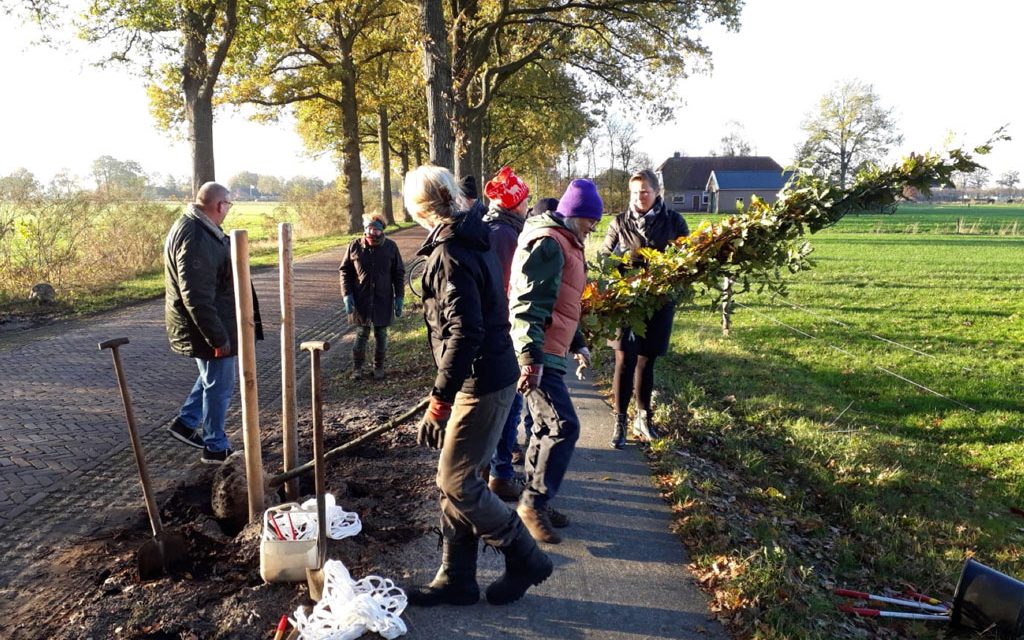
<point>555,431</point>
<point>468,508</point>
<point>501,462</point>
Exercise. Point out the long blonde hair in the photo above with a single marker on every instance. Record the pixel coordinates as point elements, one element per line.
<point>432,194</point>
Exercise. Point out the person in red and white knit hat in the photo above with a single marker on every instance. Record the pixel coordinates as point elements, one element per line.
<point>508,194</point>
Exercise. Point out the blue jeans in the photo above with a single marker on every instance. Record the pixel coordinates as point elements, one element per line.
<point>207,405</point>
<point>555,431</point>
<point>501,461</point>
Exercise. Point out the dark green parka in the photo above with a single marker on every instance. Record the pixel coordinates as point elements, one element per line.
<point>199,294</point>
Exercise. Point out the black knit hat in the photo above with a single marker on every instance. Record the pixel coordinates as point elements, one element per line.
<point>542,205</point>
<point>469,188</point>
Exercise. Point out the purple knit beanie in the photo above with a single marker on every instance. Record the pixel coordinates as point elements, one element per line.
<point>581,201</point>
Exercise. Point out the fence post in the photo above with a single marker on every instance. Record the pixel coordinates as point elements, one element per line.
<point>726,305</point>
<point>289,421</point>
<point>247,377</point>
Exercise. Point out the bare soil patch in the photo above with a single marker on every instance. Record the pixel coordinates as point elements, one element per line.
<point>90,589</point>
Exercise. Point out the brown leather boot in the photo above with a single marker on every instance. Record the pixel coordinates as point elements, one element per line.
<point>538,522</point>
<point>508,490</point>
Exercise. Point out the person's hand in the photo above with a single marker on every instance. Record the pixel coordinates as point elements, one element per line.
<point>223,351</point>
<point>399,303</point>
<point>432,427</point>
<point>582,357</point>
<point>350,304</point>
<point>529,377</point>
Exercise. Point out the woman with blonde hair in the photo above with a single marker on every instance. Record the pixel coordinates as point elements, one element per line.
<point>466,313</point>
<point>373,289</point>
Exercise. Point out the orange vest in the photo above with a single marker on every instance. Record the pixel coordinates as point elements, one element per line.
<point>565,317</point>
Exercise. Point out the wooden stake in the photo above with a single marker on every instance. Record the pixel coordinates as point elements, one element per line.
<point>289,422</point>
<point>247,375</point>
<point>726,306</point>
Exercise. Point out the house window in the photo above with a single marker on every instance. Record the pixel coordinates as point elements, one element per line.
<point>704,198</point>
<point>678,198</point>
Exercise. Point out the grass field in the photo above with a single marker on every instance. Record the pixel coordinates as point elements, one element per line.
<point>818,462</point>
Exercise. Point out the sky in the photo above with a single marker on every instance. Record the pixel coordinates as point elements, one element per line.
<point>946,68</point>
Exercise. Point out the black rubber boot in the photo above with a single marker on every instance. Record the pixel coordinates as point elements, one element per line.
<point>455,582</point>
<point>619,433</point>
<point>525,566</point>
<point>358,360</point>
<point>643,427</point>
<point>378,365</point>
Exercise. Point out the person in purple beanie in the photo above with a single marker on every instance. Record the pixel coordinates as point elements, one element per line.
<point>549,273</point>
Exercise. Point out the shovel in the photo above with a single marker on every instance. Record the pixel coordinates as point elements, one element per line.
<point>166,549</point>
<point>315,577</point>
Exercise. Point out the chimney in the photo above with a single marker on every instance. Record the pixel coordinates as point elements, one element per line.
<point>675,155</point>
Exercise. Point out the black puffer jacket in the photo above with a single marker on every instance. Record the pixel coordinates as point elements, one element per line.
<point>199,294</point>
<point>466,311</point>
<point>374,275</point>
<point>625,235</point>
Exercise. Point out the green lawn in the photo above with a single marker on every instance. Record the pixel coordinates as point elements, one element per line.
<point>840,472</point>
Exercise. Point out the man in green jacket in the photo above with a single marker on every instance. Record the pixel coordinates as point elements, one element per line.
<point>199,307</point>
<point>548,276</point>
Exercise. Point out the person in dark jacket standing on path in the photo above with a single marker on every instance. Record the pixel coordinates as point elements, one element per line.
<point>549,273</point>
<point>646,223</point>
<point>466,313</point>
<point>199,308</point>
<point>373,289</point>
<point>508,194</point>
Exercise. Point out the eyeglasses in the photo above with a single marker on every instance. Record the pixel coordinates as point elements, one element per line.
<point>227,202</point>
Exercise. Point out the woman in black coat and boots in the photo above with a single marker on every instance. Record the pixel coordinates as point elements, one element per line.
<point>646,223</point>
<point>466,313</point>
<point>373,289</point>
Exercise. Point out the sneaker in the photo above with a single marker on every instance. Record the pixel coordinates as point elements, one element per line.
<point>215,457</point>
<point>538,523</point>
<point>558,519</point>
<point>508,489</point>
<point>181,431</point>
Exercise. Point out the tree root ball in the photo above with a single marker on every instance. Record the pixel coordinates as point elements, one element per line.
<point>229,497</point>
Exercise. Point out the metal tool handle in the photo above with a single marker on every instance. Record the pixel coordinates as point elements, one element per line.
<point>315,348</point>
<point>129,414</point>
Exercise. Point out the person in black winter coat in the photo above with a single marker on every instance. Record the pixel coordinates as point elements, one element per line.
<point>466,313</point>
<point>373,289</point>
<point>646,223</point>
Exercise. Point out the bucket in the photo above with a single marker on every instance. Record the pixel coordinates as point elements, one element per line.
<point>286,560</point>
<point>986,598</point>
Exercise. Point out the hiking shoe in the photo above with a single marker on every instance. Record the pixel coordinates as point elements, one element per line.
<point>558,519</point>
<point>181,431</point>
<point>539,524</point>
<point>215,457</point>
<point>379,374</point>
<point>508,489</point>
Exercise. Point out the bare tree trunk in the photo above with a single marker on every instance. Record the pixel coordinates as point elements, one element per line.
<point>468,144</point>
<point>351,170</point>
<point>385,165</point>
<point>403,168</point>
<point>437,71</point>
<point>198,77</point>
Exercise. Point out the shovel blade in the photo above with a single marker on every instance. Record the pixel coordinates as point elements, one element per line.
<point>156,556</point>
<point>315,580</point>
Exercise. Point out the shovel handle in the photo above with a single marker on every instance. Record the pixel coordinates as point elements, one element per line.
<point>133,432</point>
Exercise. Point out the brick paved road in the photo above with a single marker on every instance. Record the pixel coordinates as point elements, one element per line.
<point>65,460</point>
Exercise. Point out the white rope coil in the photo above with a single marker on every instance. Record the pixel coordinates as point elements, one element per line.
<point>341,524</point>
<point>350,609</point>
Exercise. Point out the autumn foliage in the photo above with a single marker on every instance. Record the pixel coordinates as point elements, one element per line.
<point>756,247</point>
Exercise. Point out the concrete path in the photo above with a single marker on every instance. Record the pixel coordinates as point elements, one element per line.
<point>619,573</point>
